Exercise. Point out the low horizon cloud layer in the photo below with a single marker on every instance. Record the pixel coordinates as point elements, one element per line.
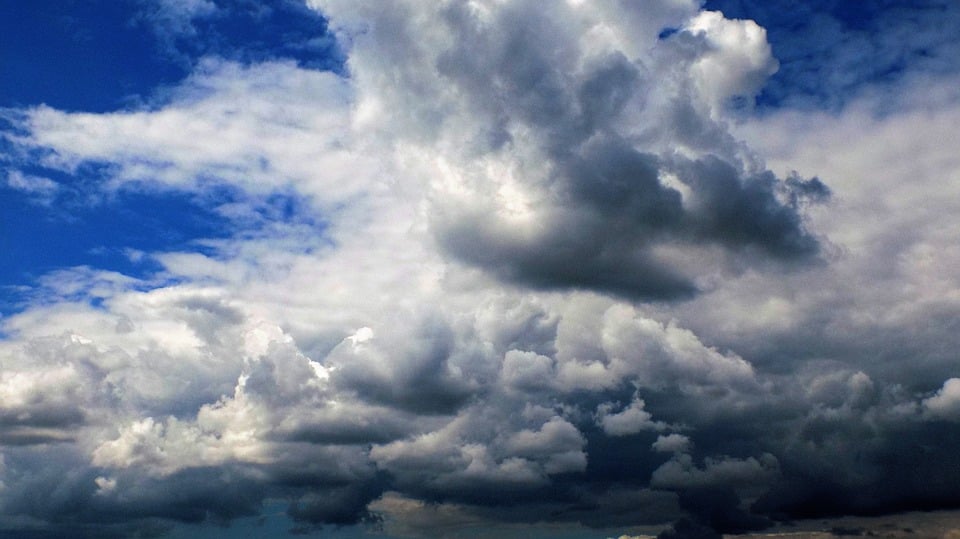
<point>516,264</point>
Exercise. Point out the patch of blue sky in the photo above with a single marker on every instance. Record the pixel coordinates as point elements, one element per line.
<point>40,236</point>
<point>103,55</point>
<point>248,31</point>
<point>116,231</point>
<point>830,51</point>
<point>76,55</point>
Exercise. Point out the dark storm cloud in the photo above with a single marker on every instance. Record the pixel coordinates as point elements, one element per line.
<point>128,502</point>
<point>40,416</point>
<point>339,506</point>
<point>846,468</point>
<point>38,424</point>
<point>567,257</point>
<point>841,448</point>
<point>196,495</point>
<point>30,436</point>
<point>362,429</point>
<point>613,211</point>
<point>744,212</point>
<point>57,491</point>
<point>719,508</point>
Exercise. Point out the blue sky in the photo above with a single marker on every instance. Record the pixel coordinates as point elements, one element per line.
<point>478,269</point>
<point>106,56</point>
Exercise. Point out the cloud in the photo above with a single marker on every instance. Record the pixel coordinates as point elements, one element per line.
<point>227,123</point>
<point>672,443</point>
<point>946,403</point>
<point>630,420</point>
<point>469,313</point>
<point>739,61</point>
<point>687,529</point>
<point>548,180</point>
<point>822,46</point>
<point>41,189</point>
<point>681,472</point>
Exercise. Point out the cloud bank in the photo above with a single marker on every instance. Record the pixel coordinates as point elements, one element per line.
<point>533,275</point>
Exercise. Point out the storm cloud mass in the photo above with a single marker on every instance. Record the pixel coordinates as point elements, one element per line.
<point>511,264</point>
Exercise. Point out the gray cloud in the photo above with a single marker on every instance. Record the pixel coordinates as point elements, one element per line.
<point>602,206</point>
<point>486,333</point>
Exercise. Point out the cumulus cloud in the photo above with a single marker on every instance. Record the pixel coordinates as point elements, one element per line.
<point>739,60</point>
<point>630,420</point>
<point>565,163</point>
<point>946,403</point>
<point>672,443</point>
<point>480,321</point>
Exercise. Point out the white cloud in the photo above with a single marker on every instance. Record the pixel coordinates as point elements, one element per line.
<point>40,188</point>
<point>946,403</point>
<point>888,279</point>
<point>261,128</point>
<point>188,8</point>
<point>630,420</point>
<point>105,485</point>
<point>672,443</point>
<point>249,353</point>
<point>162,447</point>
<point>528,370</point>
<point>474,307</point>
<point>738,61</point>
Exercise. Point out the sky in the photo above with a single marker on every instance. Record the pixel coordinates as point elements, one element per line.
<point>580,269</point>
